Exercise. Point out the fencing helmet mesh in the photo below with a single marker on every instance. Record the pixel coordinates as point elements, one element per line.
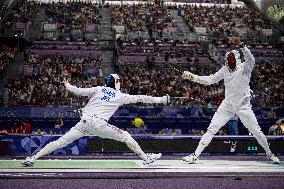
<point>232,60</point>
<point>113,81</point>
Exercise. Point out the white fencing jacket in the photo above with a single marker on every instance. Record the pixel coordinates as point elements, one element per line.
<point>236,83</point>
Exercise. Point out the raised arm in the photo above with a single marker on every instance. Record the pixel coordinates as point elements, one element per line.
<point>79,91</point>
<point>249,60</point>
<point>131,99</point>
<point>206,80</point>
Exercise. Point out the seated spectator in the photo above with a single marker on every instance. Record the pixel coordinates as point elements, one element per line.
<point>58,126</point>
<point>177,132</point>
<point>277,128</point>
<point>39,132</point>
<point>193,132</point>
<point>26,127</point>
<point>7,55</point>
<point>233,126</point>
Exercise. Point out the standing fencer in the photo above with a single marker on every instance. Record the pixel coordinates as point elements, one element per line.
<point>236,77</point>
<point>104,101</point>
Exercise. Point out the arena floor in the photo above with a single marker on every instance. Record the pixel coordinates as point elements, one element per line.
<point>125,173</point>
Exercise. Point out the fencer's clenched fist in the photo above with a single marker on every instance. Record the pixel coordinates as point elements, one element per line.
<point>234,41</point>
<point>165,99</point>
<point>187,75</point>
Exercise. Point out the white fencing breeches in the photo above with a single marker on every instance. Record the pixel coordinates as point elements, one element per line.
<point>92,126</point>
<point>223,114</point>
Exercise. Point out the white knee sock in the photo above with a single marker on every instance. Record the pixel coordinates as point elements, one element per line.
<point>134,146</point>
<point>47,149</point>
<point>204,141</point>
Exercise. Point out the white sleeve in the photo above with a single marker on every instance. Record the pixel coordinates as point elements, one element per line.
<point>211,79</point>
<point>131,99</point>
<point>81,91</point>
<point>249,60</point>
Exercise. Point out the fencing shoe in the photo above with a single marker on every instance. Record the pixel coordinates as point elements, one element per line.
<point>28,162</point>
<point>190,159</point>
<point>151,158</point>
<point>274,159</point>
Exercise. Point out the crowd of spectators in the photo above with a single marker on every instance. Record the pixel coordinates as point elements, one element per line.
<point>268,86</point>
<point>7,55</point>
<point>23,127</point>
<point>137,51</point>
<point>40,82</point>
<point>204,1</point>
<point>222,22</point>
<point>147,18</point>
<point>158,82</point>
<point>22,14</point>
<point>42,85</point>
<point>72,18</point>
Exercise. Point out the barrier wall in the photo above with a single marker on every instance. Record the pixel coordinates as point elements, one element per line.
<point>180,118</point>
<point>25,145</point>
<point>70,112</point>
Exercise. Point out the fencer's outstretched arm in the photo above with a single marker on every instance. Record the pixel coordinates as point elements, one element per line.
<point>131,99</point>
<point>249,59</point>
<point>79,91</point>
<point>206,80</point>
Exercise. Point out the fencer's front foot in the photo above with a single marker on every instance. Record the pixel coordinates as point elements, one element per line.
<point>151,158</point>
<point>274,159</point>
<point>191,159</point>
<point>28,162</point>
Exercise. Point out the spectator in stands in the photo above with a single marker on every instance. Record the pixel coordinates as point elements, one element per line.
<point>166,131</point>
<point>26,127</point>
<point>177,132</point>
<point>193,132</point>
<point>39,132</point>
<point>277,128</point>
<point>233,126</point>
<point>202,132</point>
<point>14,127</point>
<point>58,126</point>
<point>7,55</point>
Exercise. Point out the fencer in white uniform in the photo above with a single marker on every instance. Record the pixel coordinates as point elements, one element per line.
<point>104,101</point>
<point>236,76</point>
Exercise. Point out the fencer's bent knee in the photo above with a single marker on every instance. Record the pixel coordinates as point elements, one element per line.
<point>56,144</point>
<point>62,142</point>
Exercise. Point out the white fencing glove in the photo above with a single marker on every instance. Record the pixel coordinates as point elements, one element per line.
<point>188,75</point>
<point>165,99</point>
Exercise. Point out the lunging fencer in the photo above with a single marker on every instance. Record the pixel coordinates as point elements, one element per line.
<point>236,76</point>
<point>104,101</point>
